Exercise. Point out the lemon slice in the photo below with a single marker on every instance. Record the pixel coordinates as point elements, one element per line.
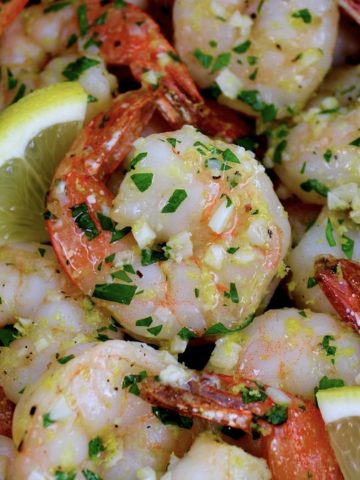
<point>35,134</point>
<point>340,409</point>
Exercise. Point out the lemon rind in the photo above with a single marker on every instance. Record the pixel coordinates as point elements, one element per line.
<point>43,108</point>
<point>338,403</point>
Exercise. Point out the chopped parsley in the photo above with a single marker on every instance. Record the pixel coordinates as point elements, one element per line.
<point>137,159</point>
<point>74,70</point>
<point>149,256</point>
<point>229,156</point>
<point>82,19</point>
<point>89,475</point>
<point>203,58</point>
<point>221,61</point>
<point>356,142</point>
<point>7,334</point>
<point>277,414</point>
<point>41,251</point>
<point>95,447</point>
<point>60,475</point>
<point>242,47</point>
<point>155,330</point>
<point>221,329</point>
<point>169,417</point>
<point>119,234</point>
<point>66,359</point>
<point>328,155</point>
<point>304,14</point>
<point>143,181</point>
<point>314,185</point>
<point>252,99</point>
<point>115,292</point>
<point>232,293</point>
<point>347,246</point>
<point>144,322</point>
<point>19,94</point>
<point>186,334</point>
<point>12,81</point>
<point>330,350</point>
<point>47,420</point>
<point>172,141</point>
<point>326,382</point>
<point>71,40</point>
<point>121,275</point>
<point>278,152</point>
<point>329,233</point>
<point>311,282</point>
<point>81,216</point>
<point>119,4</point>
<point>175,200</point>
<point>132,382</point>
<point>250,395</point>
<point>248,142</point>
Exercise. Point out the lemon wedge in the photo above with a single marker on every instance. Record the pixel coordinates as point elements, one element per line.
<point>340,409</point>
<point>35,134</point>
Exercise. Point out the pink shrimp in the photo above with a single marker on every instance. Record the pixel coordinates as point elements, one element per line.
<point>9,11</point>
<point>293,436</point>
<point>340,281</point>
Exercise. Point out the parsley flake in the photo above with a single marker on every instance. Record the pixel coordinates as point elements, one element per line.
<point>143,181</point>
<point>169,417</point>
<point>115,292</point>
<point>81,216</point>
<point>175,200</point>
<point>304,14</point>
<point>74,70</point>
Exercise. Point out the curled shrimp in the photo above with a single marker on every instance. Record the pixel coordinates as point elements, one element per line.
<point>95,34</point>
<point>295,443</point>
<point>317,157</point>
<point>46,317</point>
<point>85,418</point>
<point>264,58</point>
<point>210,234</point>
<point>290,349</point>
<point>333,233</point>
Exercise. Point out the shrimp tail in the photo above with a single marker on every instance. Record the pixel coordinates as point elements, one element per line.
<point>79,181</point>
<point>340,281</point>
<point>129,36</point>
<point>294,443</point>
<point>9,11</point>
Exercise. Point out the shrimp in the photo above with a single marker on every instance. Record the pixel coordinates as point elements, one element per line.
<point>339,279</point>
<point>294,442</point>
<point>334,234</point>
<point>290,349</point>
<point>50,316</point>
<point>9,11</point>
<point>208,232</point>
<point>85,416</point>
<point>317,158</point>
<point>264,58</point>
<point>41,48</point>
<point>211,458</point>
<point>100,34</point>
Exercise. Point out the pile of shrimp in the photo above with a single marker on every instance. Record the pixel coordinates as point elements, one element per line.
<point>202,280</point>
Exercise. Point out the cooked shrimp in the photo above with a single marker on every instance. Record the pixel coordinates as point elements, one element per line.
<point>9,11</point>
<point>292,350</point>
<point>51,316</point>
<point>41,48</point>
<point>213,459</point>
<point>208,232</point>
<point>340,281</point>
<point>317,159</point>
<point>85,416</point>
<point>332,234</point>
<point>293,435</point>
<point>95,33</point>
<point>265,57</point>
